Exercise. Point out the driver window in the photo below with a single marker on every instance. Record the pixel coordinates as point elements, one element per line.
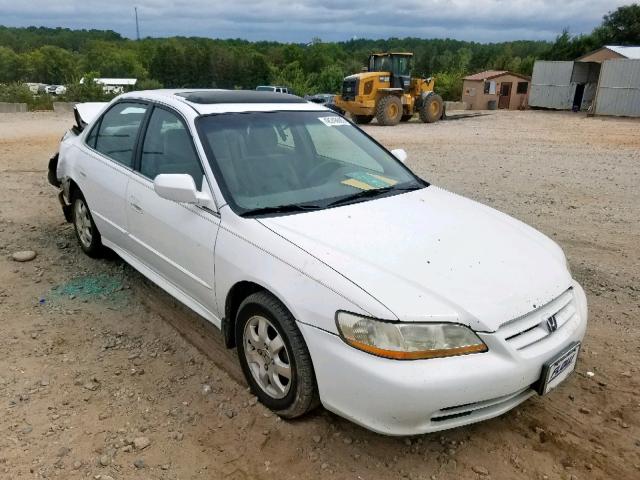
<point>168,148</point>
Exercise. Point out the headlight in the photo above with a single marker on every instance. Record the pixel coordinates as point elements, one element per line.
<point>407,341</point>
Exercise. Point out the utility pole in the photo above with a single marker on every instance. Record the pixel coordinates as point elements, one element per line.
<point>137,26</point>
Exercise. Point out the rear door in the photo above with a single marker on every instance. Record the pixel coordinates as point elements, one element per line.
<point>175,240</point>
<point>107,166</point>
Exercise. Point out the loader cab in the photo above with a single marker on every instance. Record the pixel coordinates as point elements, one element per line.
<point>397,64</point>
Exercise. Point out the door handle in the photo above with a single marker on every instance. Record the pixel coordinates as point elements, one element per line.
<point>133,201</point>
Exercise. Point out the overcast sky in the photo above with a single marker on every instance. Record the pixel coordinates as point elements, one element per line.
<point>300,21</point>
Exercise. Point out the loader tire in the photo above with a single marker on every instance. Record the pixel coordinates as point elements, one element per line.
<point>431,108</point>
<point>362,119</point>
<point>389,110</point>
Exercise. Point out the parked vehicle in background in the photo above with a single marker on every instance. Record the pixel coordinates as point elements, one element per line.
<point>388,92</point>
<point>35,87</point>
<point>326,99</point>
<point>341,277</point>
<point>114,85</point>
<point>272,88</point>
<point>55,89</point>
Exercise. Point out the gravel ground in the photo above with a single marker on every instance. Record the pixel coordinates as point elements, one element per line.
<point>104,376</point>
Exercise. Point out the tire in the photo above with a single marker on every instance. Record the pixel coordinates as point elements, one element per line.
<point>431,108</point>
<point>362,119</point>
<point>406,118</point>
<point>389,110</point>
<point>86,231</point>
<point>289,398</point>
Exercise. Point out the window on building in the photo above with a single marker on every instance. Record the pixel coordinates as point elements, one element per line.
<point>522,87</point>
<point>490,87</point>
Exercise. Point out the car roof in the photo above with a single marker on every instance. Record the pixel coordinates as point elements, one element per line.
<point>211,101</point>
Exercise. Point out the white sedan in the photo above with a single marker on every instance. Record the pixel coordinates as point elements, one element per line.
<point>341,277</point>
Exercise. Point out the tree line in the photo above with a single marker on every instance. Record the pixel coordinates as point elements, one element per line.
<point>63,56</point>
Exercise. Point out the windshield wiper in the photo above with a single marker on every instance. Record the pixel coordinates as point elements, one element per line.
<point>294,207</point>
<point>353,198</point>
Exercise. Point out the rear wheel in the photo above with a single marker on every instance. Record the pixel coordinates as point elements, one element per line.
<point>431,109</point>
<point>274,356</point>
<point>389,110</point>
<point>362,119</point>
<point>86,231</point>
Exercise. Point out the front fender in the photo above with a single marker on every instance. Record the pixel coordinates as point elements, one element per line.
<point>312,291</point>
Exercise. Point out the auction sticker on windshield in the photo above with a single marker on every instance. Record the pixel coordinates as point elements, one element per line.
<point>333,121</point>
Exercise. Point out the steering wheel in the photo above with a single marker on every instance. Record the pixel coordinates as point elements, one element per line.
<point>326,167</point>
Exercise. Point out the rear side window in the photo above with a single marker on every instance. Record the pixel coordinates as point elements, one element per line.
<point>118,131</point>
<point>168,148</point>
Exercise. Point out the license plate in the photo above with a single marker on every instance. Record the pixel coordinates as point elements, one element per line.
<point>556,370</point>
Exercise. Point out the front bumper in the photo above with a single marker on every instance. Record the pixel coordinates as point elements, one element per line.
<point>413,397</point>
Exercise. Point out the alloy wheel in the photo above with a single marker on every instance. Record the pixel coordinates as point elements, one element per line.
<point>82,222</point>
<point>267,357</point>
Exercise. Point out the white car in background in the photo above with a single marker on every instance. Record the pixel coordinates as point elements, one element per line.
<point>55,89</point>
<point>340,276</point>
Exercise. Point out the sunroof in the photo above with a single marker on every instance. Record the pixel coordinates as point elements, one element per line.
<point>238,96</point>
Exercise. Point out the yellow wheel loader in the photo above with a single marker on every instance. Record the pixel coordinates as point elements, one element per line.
<point>387,92</point>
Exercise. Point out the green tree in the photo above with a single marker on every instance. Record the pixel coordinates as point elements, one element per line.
<point>111,60</point>
<point>148,84</point>
<point>50,64</point>
<point>87,91</point>
<point>620,27</point>
<point>293,77</point>
<point>329,80</point>
<point>9,65</point>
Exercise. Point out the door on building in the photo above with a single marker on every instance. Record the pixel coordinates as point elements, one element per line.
<point>505,95</point>
<point>577,98</point>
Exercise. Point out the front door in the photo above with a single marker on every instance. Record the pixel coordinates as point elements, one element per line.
<point>107,167</point>
<point>175,240</point>
<point>505,95</point>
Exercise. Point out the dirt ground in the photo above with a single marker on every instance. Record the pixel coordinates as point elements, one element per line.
<point>104,376</point>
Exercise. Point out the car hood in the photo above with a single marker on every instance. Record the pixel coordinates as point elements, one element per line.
<point>432,255</point>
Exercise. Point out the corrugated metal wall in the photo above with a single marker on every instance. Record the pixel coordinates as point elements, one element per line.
<point>551,85</point>
<point>619,88</point>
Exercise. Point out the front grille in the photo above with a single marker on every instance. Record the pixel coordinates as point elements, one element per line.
<point>532,328</point>
<point>350,88</point>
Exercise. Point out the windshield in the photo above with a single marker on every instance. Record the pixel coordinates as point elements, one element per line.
<point>397,64</point>
<point>272,160</point>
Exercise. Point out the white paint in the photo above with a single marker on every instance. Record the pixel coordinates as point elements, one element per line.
<point>426,255</point>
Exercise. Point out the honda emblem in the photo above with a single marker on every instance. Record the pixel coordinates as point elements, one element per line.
<point>552,324</point>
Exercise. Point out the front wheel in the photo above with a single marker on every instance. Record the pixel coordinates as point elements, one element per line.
<point>86,231</point>
<point>431,108</point>
<point>274,356</point>
<point>389,110</point>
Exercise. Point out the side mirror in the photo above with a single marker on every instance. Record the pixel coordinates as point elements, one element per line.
<point>400,154</point>
<point>178,187</point>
